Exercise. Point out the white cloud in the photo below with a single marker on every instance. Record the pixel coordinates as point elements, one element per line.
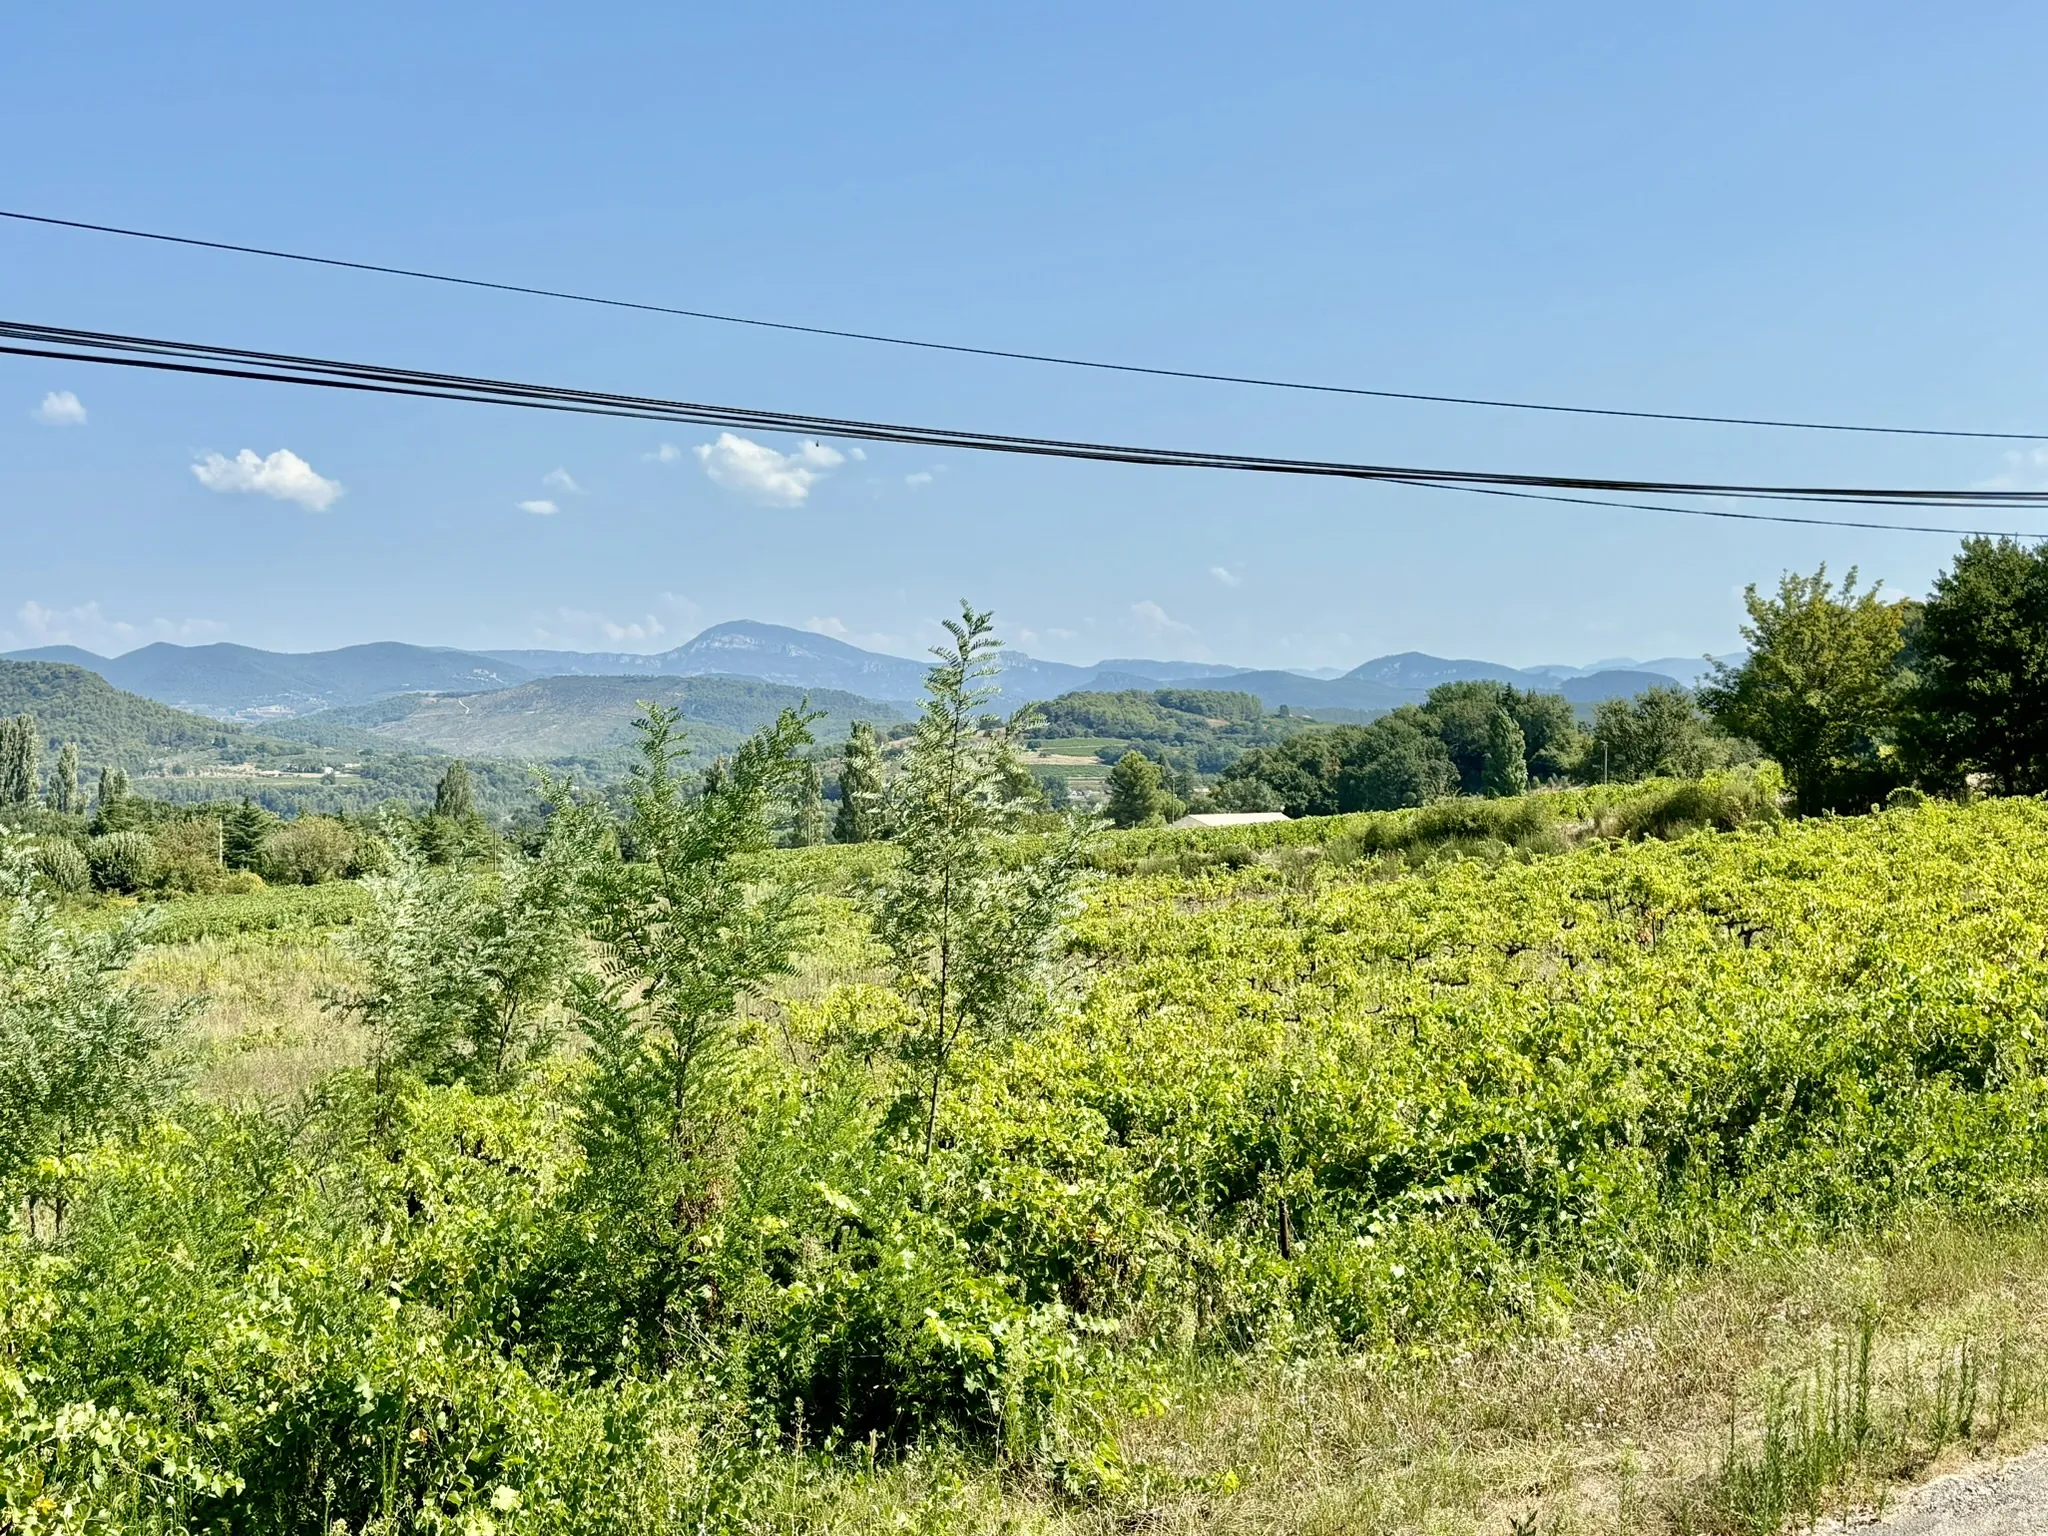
<point>283,475</point>
<point>922,477</point>
<point>88,625</point>
<point>758,471</point>
<point>1228,577</point>
<point>539,508</point>
<point>858,455</point>
<point>60,408</point>
<point>1156,621</point>
<point>667,453</point>
<point>561,480</point>
<point>571,628</point>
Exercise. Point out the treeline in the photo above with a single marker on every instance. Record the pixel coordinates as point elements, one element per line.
<point>116,842</point>
<point>1474,738</point>
<point>1856,696</point>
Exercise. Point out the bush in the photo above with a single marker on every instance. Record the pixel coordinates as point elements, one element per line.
<point>62,866</point>
<point>188,855</point>
<point>122,861</point>
<point>239,882</point>
<point>308,851</point>
<point>1720,801</point>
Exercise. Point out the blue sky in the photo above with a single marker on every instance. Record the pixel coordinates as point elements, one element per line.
<point>1829,211</point>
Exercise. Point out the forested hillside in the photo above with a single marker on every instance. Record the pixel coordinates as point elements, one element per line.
<point>589,719</point>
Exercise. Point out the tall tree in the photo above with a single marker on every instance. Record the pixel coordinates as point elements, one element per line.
<point>459,974</point>
<point>455,795</point>
<point>242,834</point>
<point>1507,769</point>
<point>808,824</point>
<point>683,933</point>
<point>64,783</point>
<point>969,931</point>
<point>1822,689</point>
<point>1659,732</point>
<point>1138,795</point>
<point>861,809</point>
<point>1980,660</point>
<point>21,754</point>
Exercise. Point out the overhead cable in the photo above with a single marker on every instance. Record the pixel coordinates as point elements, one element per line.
<point>58,343</point>
<point>961,349</point>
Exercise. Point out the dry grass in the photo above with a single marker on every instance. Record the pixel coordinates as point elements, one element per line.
<point>1616,1423</point>
<point>263,1033</point>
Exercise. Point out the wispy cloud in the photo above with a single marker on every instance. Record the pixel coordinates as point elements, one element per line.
<point>283,475</point>
<point>90,626</point>
<point>539,508</point>
<point>667,453</point>
<point>571,628</point>
<point>1226,575</point>
<point>561,480</point>
<point>1155,621</point>
<point>60,408</point>
<point>764,474</point>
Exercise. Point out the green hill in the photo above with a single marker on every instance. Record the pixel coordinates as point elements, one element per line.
<point>116,729</point>
<point>584,719</point>
<point>172,755</point>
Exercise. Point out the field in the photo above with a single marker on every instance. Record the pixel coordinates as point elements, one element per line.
<point>1434,1171</point>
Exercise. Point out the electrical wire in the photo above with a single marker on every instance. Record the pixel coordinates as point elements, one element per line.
<point>26,339</point>
<point>964,350</point>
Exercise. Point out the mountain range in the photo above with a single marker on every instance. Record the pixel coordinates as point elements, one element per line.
<point>241,683</point>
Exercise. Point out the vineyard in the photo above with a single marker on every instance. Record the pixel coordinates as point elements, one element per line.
<point>1323,1092</point>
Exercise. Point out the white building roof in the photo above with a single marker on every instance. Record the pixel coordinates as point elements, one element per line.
<point>1229,818</point>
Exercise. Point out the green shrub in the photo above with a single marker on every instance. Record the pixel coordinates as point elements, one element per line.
<point>62,865</point>
<point>188,855</point>
<point>308,850</point>
<point>122,861</point>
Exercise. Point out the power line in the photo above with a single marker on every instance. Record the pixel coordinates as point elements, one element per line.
<point>62,344</point>
<point>961,349</point>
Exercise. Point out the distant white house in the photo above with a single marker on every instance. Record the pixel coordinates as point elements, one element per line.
<point>1229,818</point>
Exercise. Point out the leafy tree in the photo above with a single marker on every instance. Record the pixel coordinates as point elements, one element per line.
<point>1658,733</point>
<point>1138,796</point>
<point>462,972</point>
<point>1396,762</point>
<point>188,854</point>
<point>1979,703</point>
<point>1507,769</point>
<point>21,752</point>
<point>808,824</point>
<point>861,817</point>
<point>1822,688</point>
<point>308,850</point>
<point>684,932</point>
<point>82,1052</point>
<point>64,783</point>
<point>969,931</point>
<point>455,795</point>
<point>1463,716</point>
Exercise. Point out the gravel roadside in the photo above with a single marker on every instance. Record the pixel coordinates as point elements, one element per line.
<point>2007,1498</point>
